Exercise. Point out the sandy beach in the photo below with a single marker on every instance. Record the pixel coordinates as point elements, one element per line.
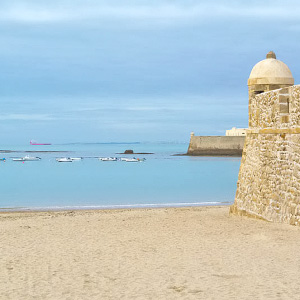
<point>172,253</point>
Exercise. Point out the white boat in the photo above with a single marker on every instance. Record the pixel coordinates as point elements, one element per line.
<point>18,159</point>
<point>27,158</point>
<point>64,159</point>
<point>31,158</point>
<point>76,158</point>
<point>108,158</point>
<point>132,160</point>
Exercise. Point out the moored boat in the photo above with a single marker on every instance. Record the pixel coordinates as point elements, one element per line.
<point>27,158</point>
<point>108,158</point>
<point>64,159</point>
<point>31,158</point>
<point>134,159</point>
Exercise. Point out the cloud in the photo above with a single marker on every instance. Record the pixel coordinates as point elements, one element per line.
<point>63,11</point>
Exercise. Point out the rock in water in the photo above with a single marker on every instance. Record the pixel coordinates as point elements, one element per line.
<point>128,151</point>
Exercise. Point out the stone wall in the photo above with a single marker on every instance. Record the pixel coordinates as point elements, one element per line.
<point>216,145</point>
<point>269,179</point>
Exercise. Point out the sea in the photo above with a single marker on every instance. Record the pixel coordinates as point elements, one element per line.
<point>164,179</point>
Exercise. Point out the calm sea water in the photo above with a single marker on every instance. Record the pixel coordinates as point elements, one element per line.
<point>162,179</point>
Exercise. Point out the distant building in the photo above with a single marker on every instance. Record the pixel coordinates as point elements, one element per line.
<point>236,132</point>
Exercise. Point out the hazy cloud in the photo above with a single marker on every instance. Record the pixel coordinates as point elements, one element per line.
<point>111,68</point>
<point>65,11</point>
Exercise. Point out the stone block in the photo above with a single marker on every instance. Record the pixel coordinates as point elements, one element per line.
<point>284,108</point>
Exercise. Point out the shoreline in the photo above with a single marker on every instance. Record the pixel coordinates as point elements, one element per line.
<point>112,207</point>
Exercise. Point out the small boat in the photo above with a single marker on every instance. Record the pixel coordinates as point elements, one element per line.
<point>31,158</point>
<point>76,158</point>
<point>64,159</point>
<point>32,142</point>
<point>134,159</point>
<point>18,159</point>
<point>27,158</point>
<point>108,158</point>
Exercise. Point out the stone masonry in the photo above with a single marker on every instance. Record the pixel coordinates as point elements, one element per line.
<point>269,179</point>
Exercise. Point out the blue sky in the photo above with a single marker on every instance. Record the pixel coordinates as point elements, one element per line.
<point>101,71</point>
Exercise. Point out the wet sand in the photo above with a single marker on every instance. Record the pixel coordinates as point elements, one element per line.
<point>166,253</point>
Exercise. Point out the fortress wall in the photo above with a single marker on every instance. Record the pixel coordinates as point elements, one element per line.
<point>269,178</point>
<point>216,145</point>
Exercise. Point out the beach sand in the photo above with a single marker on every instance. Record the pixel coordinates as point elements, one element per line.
<point>166,253</point>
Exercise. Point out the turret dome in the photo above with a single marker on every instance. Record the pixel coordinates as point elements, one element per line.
<point>271,71</point>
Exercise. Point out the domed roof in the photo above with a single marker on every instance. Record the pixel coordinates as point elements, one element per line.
<point>271,71</point>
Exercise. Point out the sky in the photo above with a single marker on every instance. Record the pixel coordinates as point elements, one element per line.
<point>135,70</point>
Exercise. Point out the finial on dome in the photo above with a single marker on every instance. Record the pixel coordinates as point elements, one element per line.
<point>271,54</point>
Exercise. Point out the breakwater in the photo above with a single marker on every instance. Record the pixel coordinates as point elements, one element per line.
<point>216,145</point>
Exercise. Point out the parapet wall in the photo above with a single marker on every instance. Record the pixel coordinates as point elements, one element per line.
<point>269,179</point>
<point>216,145</point>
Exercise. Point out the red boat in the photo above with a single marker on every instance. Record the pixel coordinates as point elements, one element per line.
<point>36,143</point>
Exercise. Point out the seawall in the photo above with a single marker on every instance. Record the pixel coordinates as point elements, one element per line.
<point>216,145</point>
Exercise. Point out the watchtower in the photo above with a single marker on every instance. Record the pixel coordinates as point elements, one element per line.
<point>269,179</point>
